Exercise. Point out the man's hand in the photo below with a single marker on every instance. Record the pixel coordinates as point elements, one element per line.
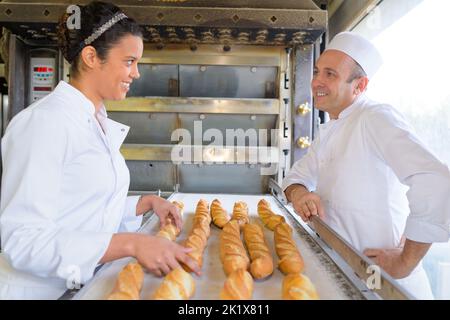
<point>399,262</point>
<point>305,203</point>
<point>390,260</point>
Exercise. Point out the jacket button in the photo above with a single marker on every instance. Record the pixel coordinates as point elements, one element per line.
<point>122,130</point>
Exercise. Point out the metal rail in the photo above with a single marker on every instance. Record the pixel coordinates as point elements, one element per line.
<point>362,266</point>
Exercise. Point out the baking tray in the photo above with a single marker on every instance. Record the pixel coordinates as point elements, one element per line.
<point>330,280</point>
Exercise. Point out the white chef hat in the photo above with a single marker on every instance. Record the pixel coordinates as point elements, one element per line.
<point>358,48</point>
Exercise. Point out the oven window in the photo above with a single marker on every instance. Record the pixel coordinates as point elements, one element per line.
<point>160,80</point>
<point>155,81</point>
<point>227,81</point>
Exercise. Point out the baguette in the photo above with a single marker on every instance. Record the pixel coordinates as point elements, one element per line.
<point>297,286</point>
<point>202,211</point>
<point>238,286</point>
<point>291,260</point>
<point>170,231</point>
<point>200,232</point>
<point>240,213</point>
<point>268,217</point>
<point>232,251</point>
<point>261,260</point>
<point>177,285</point>
<point>218,214</point>
<point>129,283</point>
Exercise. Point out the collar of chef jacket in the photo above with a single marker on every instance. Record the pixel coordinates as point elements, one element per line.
<point>111,132</point>
<point>326,129</point>
<point>353,107</point>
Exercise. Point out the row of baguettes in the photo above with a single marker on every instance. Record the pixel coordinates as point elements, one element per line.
<point>239,283</point>
<point>179,284</point>
<point>296,286</point>
<point>130,279</point>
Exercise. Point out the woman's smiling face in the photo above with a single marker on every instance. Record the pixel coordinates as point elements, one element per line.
<point>120,68</point>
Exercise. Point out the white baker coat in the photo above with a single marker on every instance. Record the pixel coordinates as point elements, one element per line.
<point>368,166</point>
<point>64,194</point>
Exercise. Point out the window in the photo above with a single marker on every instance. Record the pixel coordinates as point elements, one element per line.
<point>411,35</point>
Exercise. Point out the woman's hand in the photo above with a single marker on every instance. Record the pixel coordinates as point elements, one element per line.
<point>160,256</point>
<point>165,209</point>
<point>162,208</point>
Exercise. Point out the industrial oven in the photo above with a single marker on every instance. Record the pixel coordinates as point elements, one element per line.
<point>222,109</point>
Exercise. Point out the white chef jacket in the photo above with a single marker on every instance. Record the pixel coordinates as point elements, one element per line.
<point>367,166</point>
<point>64,194</point>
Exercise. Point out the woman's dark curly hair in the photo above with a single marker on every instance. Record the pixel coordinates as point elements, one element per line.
<point>93,16</point>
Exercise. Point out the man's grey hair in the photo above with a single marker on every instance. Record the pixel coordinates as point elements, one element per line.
<point>357,72</point>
